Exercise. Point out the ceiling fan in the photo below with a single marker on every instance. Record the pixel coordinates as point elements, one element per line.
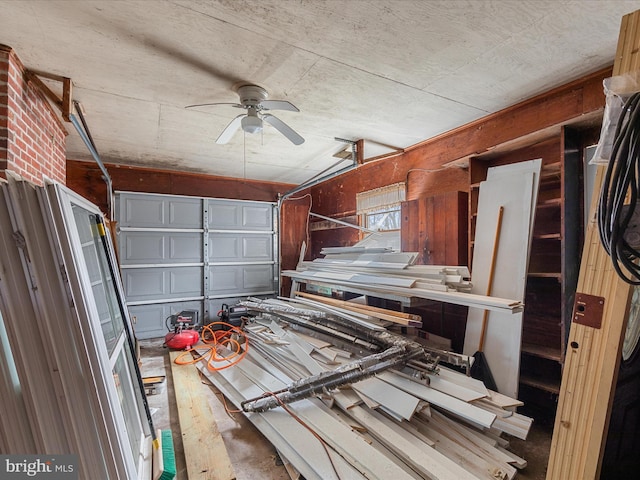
<point>254,100</point>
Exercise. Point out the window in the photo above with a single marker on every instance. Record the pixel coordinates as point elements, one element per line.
<point>92,253</point>
<point>380,208</point>
<point>66,342</point>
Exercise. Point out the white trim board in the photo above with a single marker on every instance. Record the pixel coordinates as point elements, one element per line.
<point>515,188</point>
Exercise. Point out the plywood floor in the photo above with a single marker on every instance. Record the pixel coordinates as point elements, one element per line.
<point>252,455</point>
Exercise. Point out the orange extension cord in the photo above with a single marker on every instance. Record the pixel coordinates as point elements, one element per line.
<point>215,339</point>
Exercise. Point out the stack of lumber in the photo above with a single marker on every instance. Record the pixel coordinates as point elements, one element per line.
<point>381,273</point>
<point>400,424</point>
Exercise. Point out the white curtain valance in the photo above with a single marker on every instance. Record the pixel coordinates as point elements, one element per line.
<point>380,198</point>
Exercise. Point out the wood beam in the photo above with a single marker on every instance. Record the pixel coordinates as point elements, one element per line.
<point>593,356</point>
<point>64,104</point>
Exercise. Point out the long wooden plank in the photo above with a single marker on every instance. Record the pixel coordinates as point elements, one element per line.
<point>204,450</point>
<point>381,313</point>
<point>593,358</point>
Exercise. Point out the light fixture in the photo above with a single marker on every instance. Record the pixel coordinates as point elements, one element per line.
<point>251,124</point>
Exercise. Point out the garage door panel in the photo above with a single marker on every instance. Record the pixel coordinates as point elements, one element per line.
<point>144,283</point>
<point>258,278</point>
<point>143,247</point>
<point>185,247</point>
<point>238,247</point>
<point>166,267</point>
<point>224,247</point>
<point>161,247</point>
<point>257,247</point>
<point>257,217</point>
<point>241,279</point>
<point>186,282</point>
<point>158,211</point>
<point>141,211</point>
<point>225,279</point>
<point>163,283</point>
<point>185,213</point>
<point>224,215</point>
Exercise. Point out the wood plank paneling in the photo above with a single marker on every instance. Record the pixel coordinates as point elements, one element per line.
<point>85,178</point>
<point>435,227</point>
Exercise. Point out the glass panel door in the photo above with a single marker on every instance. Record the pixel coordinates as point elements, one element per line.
<point>93,253</point>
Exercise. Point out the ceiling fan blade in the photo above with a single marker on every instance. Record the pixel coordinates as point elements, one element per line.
<point>229,130</point>
<point>217,103</point>
<point>278,105</point>
<point>284,129</point>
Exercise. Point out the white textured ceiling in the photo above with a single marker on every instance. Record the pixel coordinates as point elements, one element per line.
<point>391,72</point>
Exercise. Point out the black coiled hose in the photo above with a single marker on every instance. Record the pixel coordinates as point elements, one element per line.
<point>620,186</point>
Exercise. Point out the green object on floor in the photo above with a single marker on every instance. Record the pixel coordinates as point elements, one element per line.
<point>168,456</point>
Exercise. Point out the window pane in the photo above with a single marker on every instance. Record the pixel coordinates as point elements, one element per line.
<point>101,281</point>
<point>126,394</point>
<point>384,220</point>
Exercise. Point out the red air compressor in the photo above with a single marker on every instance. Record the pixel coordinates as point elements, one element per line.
<point>183,333</point>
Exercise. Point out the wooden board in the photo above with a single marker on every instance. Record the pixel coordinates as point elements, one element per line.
<point>381,313</point>
<point>592,363</point>
<point>204,450</point>
<point>515,189</point>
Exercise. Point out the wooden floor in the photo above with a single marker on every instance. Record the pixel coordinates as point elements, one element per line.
<point>251,454</point>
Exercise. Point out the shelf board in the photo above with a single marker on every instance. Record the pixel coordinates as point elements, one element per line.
<point>556,275</point>
<point>541,384</point>
<point>549,353</point>
<point>550,169</point>
<point>551,202</point>
<point>548,236</point>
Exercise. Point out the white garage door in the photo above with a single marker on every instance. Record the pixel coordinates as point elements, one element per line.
<point>188,253</point>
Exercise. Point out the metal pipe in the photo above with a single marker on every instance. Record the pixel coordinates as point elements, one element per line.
<point>85,135</point>
<point>325,381</point>
<point>358,227</point>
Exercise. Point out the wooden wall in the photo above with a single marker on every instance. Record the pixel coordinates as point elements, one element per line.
<point>85,178</point>
<point>435,166</point>
<point>439,165</point>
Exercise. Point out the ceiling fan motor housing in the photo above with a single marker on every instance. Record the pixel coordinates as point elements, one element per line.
<point>252,94</point>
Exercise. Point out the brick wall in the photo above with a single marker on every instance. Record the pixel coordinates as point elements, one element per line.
<point>32,138</point>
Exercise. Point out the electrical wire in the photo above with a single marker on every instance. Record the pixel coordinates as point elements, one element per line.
<point>308,427</point>
<point>307,195</point>
<point>619,194</point>
<point>217,337</point>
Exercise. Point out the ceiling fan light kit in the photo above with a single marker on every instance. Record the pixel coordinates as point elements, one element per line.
<point>254,100</point>
<point>251,124</point>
